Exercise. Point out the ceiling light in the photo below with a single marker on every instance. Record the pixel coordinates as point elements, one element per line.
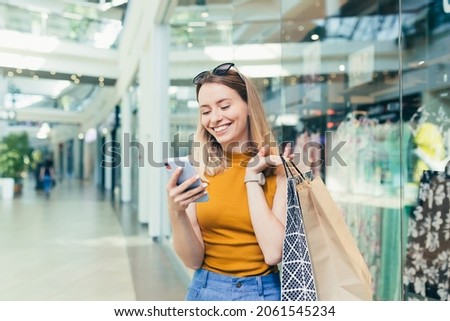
<point>52,73</point>
<point>73,77</point>
<point>80,136</point>
<point>76,81</point>
<point>101,79</point>
<point>342,67</point>
<point>204,14</point>
<point>41,135</point>
<point>315,37</point>
<point>10,74</point>
<point>19,71</point>
<point>108,5</point>
<point>196,24</point>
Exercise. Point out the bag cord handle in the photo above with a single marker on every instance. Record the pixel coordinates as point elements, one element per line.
<point>287,167</point>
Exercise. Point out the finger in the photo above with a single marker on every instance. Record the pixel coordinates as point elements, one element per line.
<point>264,151</point>
<point>172,182</point>
<point>188,183</point>
<point>287,150</point>
<point>191,194</point>
<point>272,161</point>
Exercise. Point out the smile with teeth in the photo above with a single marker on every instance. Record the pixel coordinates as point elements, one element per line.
<point>221,128</point>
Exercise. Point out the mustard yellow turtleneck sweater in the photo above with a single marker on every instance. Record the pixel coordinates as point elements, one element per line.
<point>231,247</point>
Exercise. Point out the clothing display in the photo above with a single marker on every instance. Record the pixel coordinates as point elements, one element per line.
<point>426,275</point>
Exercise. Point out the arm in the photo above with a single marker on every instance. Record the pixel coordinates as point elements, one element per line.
<point>187,238</point>
<point>268,223</point>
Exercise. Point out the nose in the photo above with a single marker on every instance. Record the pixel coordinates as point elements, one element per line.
<point>216,115</point>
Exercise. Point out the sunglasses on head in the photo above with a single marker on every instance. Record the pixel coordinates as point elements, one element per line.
<point>220,70</point>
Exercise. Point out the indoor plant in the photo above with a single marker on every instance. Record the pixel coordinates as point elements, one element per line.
<point>14,158</point>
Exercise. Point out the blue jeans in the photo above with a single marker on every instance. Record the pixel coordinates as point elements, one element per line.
<point>48,183</point>
<point>210,286</point>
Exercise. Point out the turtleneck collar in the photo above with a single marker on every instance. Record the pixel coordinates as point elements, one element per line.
<point>238,159</point>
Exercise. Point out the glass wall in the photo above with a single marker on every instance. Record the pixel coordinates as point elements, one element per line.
<point>426,108</point>
<point>367,81</point>
<point>343,90</point>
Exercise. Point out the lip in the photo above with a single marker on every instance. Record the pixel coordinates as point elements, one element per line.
<point>225,129</point>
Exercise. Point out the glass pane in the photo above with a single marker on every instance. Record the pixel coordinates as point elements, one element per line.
<point>426,110</point>
<point>343,88</point>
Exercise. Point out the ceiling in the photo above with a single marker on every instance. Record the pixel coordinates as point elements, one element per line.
<point>57,53</point>
<point>76,55</point>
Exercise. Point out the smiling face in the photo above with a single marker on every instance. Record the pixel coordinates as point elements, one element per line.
<point>223,114</point>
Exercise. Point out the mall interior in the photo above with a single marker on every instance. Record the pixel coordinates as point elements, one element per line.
<point>104,88</point>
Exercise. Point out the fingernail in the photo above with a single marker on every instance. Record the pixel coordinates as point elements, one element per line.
<point>204,184</point>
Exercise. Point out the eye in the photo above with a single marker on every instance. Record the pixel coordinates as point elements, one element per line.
<point>205,113</point>
<point>225,107</point>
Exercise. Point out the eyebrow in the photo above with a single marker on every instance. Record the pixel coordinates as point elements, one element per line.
<point>217,102</point>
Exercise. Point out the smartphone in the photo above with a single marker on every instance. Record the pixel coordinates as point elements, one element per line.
<point>189,171</point>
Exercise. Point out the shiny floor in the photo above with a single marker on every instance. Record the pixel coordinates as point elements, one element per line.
<point>80,245</point>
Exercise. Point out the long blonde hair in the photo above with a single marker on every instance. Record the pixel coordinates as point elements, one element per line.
<point>208,152</point>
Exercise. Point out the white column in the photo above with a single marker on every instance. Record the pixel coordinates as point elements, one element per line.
<point>126,130</point>
<point>154,129</point>
<point>76,157</point>
<point>108,169</point>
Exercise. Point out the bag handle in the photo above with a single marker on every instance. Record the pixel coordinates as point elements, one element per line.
<point>287,167</point>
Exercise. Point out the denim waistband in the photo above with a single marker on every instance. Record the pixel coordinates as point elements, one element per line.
<point>204,277</point>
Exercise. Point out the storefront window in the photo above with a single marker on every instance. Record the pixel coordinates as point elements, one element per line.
<point>426,109</point>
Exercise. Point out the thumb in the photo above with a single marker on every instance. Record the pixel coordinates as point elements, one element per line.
<point>264,151</point>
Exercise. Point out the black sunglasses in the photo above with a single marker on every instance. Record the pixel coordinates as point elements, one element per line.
<point>220,70</point>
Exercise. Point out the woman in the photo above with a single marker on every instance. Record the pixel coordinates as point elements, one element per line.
<point>47,176</point>
<point>233,241</point>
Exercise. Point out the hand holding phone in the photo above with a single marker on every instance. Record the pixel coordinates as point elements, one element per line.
<point>188,171</point>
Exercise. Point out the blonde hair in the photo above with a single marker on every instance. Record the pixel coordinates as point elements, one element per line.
<point>208,152</point>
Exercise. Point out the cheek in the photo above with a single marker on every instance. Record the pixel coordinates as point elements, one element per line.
<point>204,121</point>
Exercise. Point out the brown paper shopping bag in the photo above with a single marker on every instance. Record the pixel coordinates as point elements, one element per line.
<point>340,272</point>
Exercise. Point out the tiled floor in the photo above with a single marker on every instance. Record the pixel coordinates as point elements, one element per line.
<point>78,245</point>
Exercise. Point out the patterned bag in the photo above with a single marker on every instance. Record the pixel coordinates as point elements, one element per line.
<point>427,266</point>
<point>297,281</point>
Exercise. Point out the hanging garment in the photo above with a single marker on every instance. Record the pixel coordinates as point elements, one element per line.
<point>427,266</point>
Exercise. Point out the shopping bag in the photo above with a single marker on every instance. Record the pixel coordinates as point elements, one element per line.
<point>297,279</point>
<point>340,272</point>
<point>426,275</point>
